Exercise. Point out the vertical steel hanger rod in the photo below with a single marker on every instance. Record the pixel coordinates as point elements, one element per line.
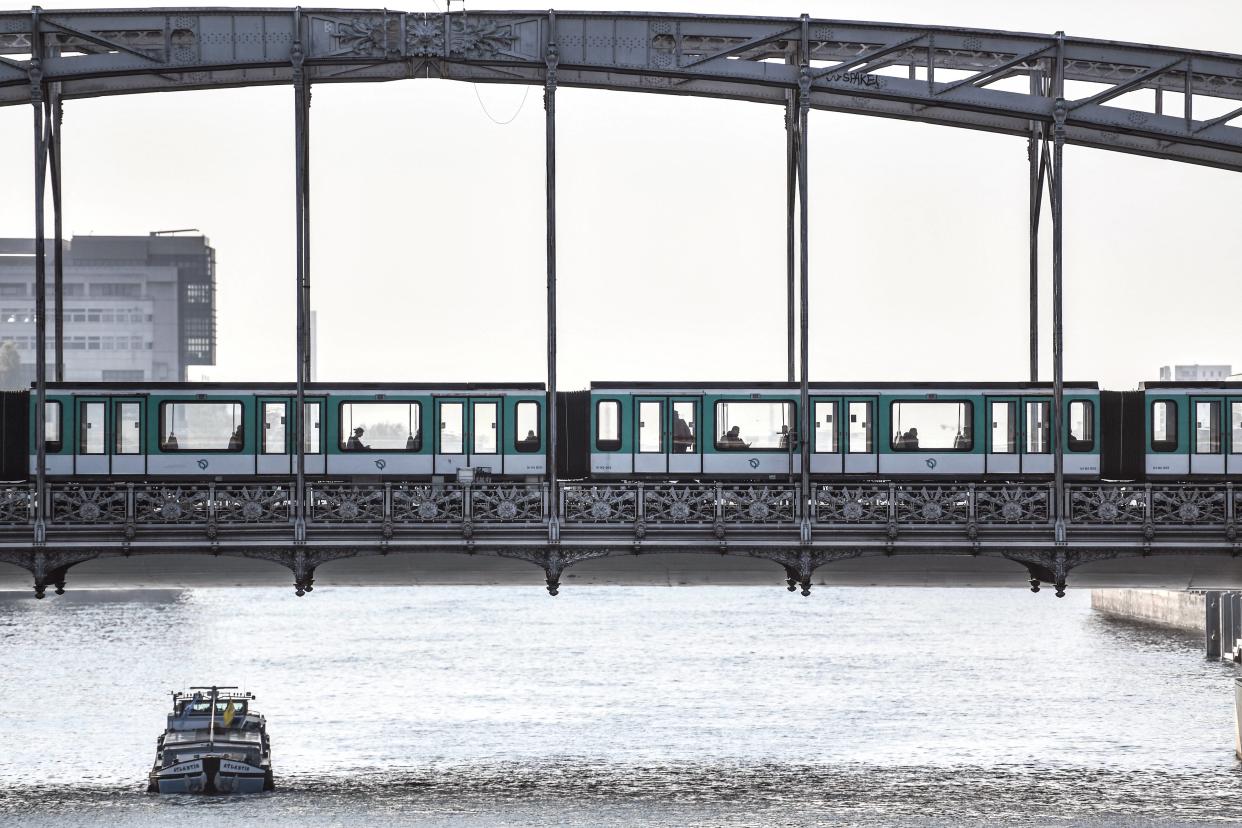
<point>804,420</point>
<point>552,58</point>
<point>301,115</point>
<point>1059,432</point>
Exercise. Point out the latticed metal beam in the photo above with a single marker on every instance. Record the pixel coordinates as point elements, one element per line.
<point>948,76</point>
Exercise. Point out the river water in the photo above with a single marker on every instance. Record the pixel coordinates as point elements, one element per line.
<point>616,706</point>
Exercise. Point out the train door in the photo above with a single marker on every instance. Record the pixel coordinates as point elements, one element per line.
<point>1234,457</point>
<point>313,452</point>
<point>485,429</point>
<point>685,450</point>
<point>128,451</point>
<point>1037,436</point>
<point>275,436</point>
<point>1206,449</point>
<point>651,448</point>
<point>826,454</point>
<point>468,434</point>
<point>90,455</point>
<point>450,435</point>
<point>860,445</point>
<point>1002,437</point>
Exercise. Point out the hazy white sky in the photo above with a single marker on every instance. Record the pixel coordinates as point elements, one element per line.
<point>428,224</point>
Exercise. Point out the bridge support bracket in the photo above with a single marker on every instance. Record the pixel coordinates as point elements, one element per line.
<point>800,566</point>
<point>47,568</point>
<point>553,561</point>
<point>1054,567</point>
<point>301,562</point>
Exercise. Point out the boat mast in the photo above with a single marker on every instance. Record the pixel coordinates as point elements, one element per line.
<point>211,730</point>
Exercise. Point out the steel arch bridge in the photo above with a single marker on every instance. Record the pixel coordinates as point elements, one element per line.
<point>1051,89</point>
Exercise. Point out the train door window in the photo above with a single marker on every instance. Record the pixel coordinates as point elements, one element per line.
<point>1235,417</point>
<point>274,428</point>
<point>650,426</point>
<point>685,428</point>
<point>826,427</point>
<point>201,426</point>
<point>754,425</point>
<point>860,427</point>
<point>1164,425</point>
<point>129,428</point>
<point>91,426</point>
<point>1038,427</point>
<point>51,426</point>
<point>1207,426</point>
<point>452,440</point>
<point>527,426</point>
<point>485,426</point>
<point>310,436</point>
<point>1004,428</point>
<point>608,425</point>
<point>1081,425</point>
<point>381,426</point>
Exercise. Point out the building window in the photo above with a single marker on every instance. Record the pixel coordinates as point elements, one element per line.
<point>12,290</point>
<point>129,289</point>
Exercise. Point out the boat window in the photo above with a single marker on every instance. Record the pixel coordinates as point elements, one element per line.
<point>860,427</point>
<point>826,427</point>
<point>201,426</point>
<point>527,426</point>
<point>274,428</point>
<point>919,425</point>
<point>1207,426</point>
<point>753,425</point>
<point>650,427</point>
<point>685,427</point>
<point>128,428</point>
<point>91,428</point>
<point>380,426</point>
<point>51,426</point>
<point>1164,425</point>
<point>608,425</point>
<point>311,437</point>
<point>486,423</point>
<point>1081,425</point>
<point>1038,427</point>
<point>1235,417</point>
<point>1004,427</point>
<point>452,428</point>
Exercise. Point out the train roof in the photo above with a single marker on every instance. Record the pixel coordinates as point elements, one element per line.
<point>1225,385</point>
<point>310,387</point>
<point>848,386</point>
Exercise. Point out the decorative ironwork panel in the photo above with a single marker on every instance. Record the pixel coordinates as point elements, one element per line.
<point>852,504</point>
<point>684,503</point>
<point>1189,505</point>
<point>16,505</point>
<point>500,503</point>
<point>1108,503</point>
<point>760,504</point>
<point>428,504</point>
<point>1012,504</point>
<point>347,503</point>
<point>600,504</point>
<point>253,504</point>
<point>81,503</point>
<point>933,504</point>
<point>172,503</point>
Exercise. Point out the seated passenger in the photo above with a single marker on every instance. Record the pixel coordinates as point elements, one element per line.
<point>732,439</point>
<point>237,440</point>
<point>963,440</point>
<point>908,441</point>
<point>784,441</point>
<point>683,437</point>
<point>414,442</point>
<point>528,443</point>
<point>171,443</point>
<point>355,441</point>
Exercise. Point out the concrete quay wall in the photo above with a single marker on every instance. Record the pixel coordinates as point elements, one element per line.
<point>1164,607</point>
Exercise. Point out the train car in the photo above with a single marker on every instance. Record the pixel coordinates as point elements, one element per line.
<point>1191,429</point>
<point>410,431</point>
<point>888,430</point>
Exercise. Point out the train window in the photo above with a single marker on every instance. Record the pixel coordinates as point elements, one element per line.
<point>608,425</point>
<point>932,426</point>
<point>311,441</point>
<point>685,429</point>
<point>826,427</point>
<point>274,428</point>
<point>1004,428</point>
<point>91,428</point>
<point>452,428</point>
<point>1164,425</point>
<point>486,423</point>
<point>650,426</point>
<point>1038,427</point>
<point>51,426</point>
<point>1235,417</point>
<point>1207,426</point>
<point>201,426</point>
<point>754,425</point>
<point>527,426</point>
<point>128,428</point>
<point>380,426</point>
<point>1081,425</point>
<point>860,428</point>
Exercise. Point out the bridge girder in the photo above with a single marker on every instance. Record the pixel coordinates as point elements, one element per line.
<point>1002,82</point>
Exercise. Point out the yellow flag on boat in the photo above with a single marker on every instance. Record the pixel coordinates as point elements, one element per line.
<point>229,713</point>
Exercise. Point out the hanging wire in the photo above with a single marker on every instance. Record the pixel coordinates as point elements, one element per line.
<point>491,117</point>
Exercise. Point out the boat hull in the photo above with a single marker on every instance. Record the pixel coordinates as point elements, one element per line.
<point>211,774</point>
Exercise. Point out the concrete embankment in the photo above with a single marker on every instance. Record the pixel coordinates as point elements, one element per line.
<point>1163,607</point>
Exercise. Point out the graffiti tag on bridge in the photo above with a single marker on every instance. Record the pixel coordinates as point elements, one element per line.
<point>857,79</point>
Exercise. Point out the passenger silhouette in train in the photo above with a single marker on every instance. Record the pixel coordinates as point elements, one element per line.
<point>528,443</point>
<point>171,443</point>
<point>237,440</point>
<point>413,442</point>
<point>909,441</point>
<point>963,440</point>
<point>732,439</point>
<point>355,442</point>
<point>683,437</point>
<point>784,442</point>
